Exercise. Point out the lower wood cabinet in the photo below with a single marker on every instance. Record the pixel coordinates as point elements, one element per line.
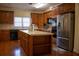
<point>4,35</point>
<point>23,41</point>
<point>0,35</point>
<point>37,40</point>
<point>7,35</point>
<point>41,49</point>
<point>35,45</point>
<point>41,45</point>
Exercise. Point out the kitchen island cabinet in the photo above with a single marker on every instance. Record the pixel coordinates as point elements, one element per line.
<point>35,42</point>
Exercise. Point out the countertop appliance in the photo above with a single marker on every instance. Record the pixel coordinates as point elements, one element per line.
<point>65,31</point>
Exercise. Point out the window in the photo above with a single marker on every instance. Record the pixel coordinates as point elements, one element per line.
<point>26,21</point>
<point>22,21</point>
<point>18,21</point>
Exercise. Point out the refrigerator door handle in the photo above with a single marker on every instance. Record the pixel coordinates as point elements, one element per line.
<point>63,38</point>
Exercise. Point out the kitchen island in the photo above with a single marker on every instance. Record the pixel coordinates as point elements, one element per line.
<point>35,42</point>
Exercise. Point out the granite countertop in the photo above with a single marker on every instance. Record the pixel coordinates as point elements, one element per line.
<point>36,33</point>
<point>10,27</point>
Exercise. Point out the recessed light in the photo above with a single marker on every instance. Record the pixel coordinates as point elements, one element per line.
<point>50,8</point>
<point>39,5</point>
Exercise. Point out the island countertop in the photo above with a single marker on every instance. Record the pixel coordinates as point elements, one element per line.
<point>36,33</point>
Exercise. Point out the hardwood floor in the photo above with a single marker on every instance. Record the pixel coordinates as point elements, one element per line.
<point>12,48</point>
<point>61,52</point>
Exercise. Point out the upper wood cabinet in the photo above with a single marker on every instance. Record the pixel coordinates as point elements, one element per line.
<point>54,12</point>
<point>37,19</point>
<point>66,7</point>
<point>45,17</point>
<point>40,19</point>
<point>34,17</point>
<point>6,17</point>
<point>63,8</point>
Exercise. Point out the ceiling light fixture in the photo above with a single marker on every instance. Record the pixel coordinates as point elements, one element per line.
<point>39,5</point>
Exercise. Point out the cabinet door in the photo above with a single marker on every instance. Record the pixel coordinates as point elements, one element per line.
<point>5,35</point>
<point>0,35</point>
<point>37,19</point>
<point>2,17</point>
<point>34,18</point>
<point>20,37</point>
<point>6,17</point>
<point>26,43</point>
<point>41,50</point>
<point>45,17</point>
<point>41,40</point>
<point>9,17</point>
<point>67,7</point>
<point>40,20</point>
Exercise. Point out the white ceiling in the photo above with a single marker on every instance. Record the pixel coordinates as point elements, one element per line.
<point>26,6</point>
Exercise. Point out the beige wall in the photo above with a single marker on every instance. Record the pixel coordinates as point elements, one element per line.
<point>22,13</point>
<point>76,40</point>
<point>18,12</point>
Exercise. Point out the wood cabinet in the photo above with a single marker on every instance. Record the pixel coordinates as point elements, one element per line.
<point>41,45</point>
<point>0,35</point>
<point>6,17</point>
<point>63,8</point>
<point>35,45</point>
<point>24,41</point>
<point>54,12</point>
<point>45,17</point>
<point>41,19</point>
<point>34,18</point>
<point>4,35</point>
<point>66,7</point>
<point>37,19</point>
<point>41,49</point>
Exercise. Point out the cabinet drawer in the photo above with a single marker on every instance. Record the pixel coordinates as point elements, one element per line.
<point>41,40</point>
<point>41,50</point>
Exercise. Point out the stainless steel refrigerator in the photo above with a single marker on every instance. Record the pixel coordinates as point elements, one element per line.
<point>65,31</point>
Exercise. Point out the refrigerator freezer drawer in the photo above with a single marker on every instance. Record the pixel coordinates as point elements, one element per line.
<point>64,43</point>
